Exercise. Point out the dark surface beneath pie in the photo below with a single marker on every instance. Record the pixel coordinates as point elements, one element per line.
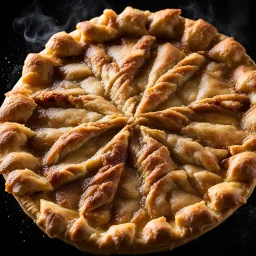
<point>19,234</point>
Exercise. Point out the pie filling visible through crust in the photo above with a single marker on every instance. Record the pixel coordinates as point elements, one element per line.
<point>133,134</point>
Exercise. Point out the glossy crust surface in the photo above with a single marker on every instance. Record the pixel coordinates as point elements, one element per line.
<point>135,133</point>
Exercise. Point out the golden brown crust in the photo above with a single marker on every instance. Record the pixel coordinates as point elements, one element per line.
<point>131,143</point>
<point>198,34</point>
<point>249,144</point>
<point>244,79</point>
<point>196,216</point>
<point>19,160</point>
<point>132,22</point>
<point>63,45</point>
<point>228,51</point>
<point>13,136</point>
<point>20,182</point>
<point>225,195</point>
<point>38,69</point>
<point>242,167</point>
<point>118,237</point>
<point>80,230</point>
<point>165,23</point>
<point>96,32</point>
<point>17,108</point>
<point>248,120</point>
<point>52,218</point>
<point>157,230</point>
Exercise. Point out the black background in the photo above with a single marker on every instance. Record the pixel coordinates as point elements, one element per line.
<point>18,233</point>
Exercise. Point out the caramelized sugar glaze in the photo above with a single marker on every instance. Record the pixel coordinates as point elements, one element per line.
<point>132,134</point>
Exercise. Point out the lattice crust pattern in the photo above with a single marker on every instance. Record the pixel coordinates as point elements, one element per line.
<point>134,133</point>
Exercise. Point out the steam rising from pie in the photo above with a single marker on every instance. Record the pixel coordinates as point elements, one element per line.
<point>37,26</point>
<point>135,133</point>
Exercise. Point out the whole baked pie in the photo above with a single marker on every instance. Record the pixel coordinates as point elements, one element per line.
<point>135,133</point>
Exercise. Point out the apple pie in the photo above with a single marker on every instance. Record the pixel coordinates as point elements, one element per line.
<point>135,133</point>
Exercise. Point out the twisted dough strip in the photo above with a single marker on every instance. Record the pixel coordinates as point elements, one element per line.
<point>90,102</point>
<point>186,150</point>
<point>167,57</point>
<point>168,119</point>
<point>101,189</point>
<point>152,159</point>
<point>117,81</point>
<point>75,138</point>
<point>98,195</point>
<point>168,83</point>
<point>221,136</point>
<point>154,165</point>
<point>160,182</point>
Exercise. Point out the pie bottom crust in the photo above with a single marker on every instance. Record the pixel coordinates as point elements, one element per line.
<point>26,200</point>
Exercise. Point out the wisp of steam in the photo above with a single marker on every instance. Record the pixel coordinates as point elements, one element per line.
<point>37,27</point>
<point>236,14</point>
